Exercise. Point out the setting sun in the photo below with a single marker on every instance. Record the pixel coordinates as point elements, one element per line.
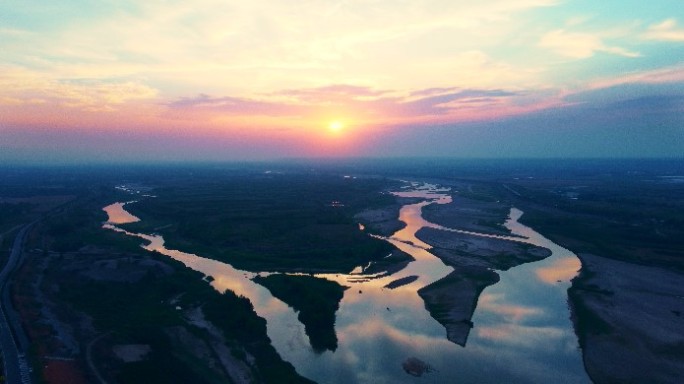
<point>335,126</point>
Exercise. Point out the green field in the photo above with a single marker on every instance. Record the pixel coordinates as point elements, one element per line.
<point>294,222</point>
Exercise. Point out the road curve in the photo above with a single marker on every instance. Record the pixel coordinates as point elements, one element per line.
<point>12,339</point>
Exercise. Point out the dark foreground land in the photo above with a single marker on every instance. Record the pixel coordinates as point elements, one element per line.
<point>96,307</point>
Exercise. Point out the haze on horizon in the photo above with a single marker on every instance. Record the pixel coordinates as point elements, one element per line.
<point>106,81</point>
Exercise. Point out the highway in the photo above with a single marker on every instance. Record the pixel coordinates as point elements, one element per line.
<point>12,338</point>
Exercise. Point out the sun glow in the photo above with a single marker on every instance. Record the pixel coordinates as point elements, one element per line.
<point>335,126</point>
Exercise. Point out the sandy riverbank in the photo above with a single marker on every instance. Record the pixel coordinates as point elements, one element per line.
<point>469,215</point>
<point>452,300</point>
<point>629,319</point>
<point>463,250</point>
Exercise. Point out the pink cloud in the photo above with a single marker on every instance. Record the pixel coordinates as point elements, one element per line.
<point>368,103</point>
<point>659,76</point>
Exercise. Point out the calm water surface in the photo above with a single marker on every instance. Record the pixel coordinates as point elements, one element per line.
<point>522,330</point>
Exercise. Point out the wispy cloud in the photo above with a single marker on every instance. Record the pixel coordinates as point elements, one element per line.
<point>363,103</point>
<point>433,91</point>
<point>217,44</point>
<point>336,92</point>
<point>21,86</point>
<point>669,75</point>
<point>236,105</point>
<point>665,31</point>
<point>579,45</point>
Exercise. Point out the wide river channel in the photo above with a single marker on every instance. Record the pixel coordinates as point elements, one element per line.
<point>522,329</point>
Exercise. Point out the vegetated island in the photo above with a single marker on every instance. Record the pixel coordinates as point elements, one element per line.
<point>316,299</point>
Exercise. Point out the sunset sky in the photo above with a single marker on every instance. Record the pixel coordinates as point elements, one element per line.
<point>98,81</point>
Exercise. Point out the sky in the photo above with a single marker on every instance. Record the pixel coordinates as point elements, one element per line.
<point>212,80</point>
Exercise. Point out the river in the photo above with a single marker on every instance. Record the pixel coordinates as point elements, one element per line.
<point>522,330</point>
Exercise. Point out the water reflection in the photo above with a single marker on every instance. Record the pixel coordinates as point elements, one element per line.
<point>561,269</point>
<point>496,303</point>
<point>411,214</point>
<point>286,332</point>
<point>522,327</point>
<point>118,215</point>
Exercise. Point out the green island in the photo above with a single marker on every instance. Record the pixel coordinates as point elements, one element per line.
<point>315,299</point>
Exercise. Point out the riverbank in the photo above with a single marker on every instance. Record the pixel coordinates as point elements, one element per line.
<point>464,250</point>
<point>469,214</point>
<point>628,231</point>
<point>629,319</point>
<point>452,300</point>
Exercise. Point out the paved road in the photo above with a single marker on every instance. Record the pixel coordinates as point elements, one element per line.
<point>12,338</point>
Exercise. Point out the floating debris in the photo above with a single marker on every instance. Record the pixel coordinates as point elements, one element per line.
<point>416,367</point>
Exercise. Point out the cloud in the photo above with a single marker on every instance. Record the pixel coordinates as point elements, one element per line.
<point>665,31</point>
<point>22,86</point>
<point>577,45</point>
<point>213,45</point>
<point>235,105</point>
<point>440,104</point>
<point>334,92</point>
<point>97,92</point>
<point>672,75</point>
<point>309,101</point>
<point>433,91</point>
